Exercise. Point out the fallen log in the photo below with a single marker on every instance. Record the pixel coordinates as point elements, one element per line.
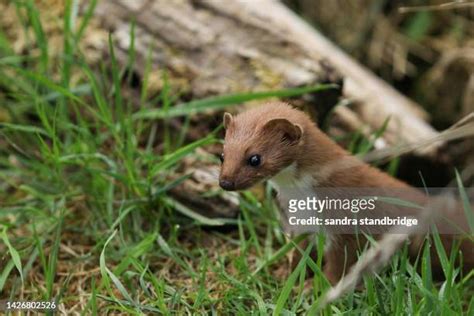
<point>233,46</point>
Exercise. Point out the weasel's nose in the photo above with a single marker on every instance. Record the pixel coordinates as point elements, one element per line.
<point>227,185</point>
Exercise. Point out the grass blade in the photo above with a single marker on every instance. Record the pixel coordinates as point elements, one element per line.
<point>221,102</point>
<point>41,41</point>
<point>24,128</point>
<point>285,292</point>
<point>280,253</point>
<point>465,201</point>
<point>107,274</point>
<point>171,159</point>
<point>44,81</point>
<point>5,273</point>
<point>13,253</point>
<point>192,214</point>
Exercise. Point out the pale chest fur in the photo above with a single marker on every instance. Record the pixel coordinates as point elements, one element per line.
<point>290,184</point>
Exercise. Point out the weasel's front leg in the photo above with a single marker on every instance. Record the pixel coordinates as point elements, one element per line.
<point>340,255</point>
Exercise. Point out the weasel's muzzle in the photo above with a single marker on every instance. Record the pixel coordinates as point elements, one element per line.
<point>227,185</point>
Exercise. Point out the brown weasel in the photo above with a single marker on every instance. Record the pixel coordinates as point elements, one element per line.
<point>282,144</point>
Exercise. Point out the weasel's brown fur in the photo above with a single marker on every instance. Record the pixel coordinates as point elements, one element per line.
<point>283,136</point>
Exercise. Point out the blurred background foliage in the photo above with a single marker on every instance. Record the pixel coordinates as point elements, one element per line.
<point>423,48</point>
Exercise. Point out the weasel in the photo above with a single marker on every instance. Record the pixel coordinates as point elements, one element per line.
<point>279,143</point>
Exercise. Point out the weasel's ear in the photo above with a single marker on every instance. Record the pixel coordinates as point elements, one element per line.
<point>290,132</point>
<point>227,120</point>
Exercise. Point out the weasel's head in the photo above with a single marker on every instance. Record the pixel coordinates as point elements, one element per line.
<point>258,144</point>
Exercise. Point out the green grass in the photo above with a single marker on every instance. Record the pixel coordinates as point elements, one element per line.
<point>87,219</point>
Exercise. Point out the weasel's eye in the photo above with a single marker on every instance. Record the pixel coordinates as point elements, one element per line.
<point>221,157</point>
<point>254,160</point>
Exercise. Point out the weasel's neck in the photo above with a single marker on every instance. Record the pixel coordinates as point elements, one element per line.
<point>291,178</point>
<point>329,165</point>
